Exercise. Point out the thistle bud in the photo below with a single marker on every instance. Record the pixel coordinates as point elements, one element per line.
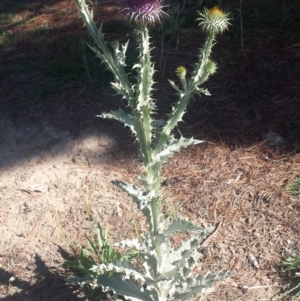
<point>181,72</point>
<point>213,20</point>
<point>211,67</point>
<point>145,11</point>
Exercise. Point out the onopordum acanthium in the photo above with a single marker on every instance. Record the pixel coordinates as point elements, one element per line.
<point>167,272</point>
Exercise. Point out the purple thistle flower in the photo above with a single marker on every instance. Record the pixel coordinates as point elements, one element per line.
<point>145,11</point>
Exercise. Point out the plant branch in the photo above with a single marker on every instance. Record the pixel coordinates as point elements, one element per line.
<point>123,84</point>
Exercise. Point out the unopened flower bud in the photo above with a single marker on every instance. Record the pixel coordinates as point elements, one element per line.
<point>181,72</point>
<point>211,67</point>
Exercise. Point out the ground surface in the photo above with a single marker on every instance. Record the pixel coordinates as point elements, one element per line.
<point>57,159</point>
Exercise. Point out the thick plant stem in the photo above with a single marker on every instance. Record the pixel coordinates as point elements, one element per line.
<point>155,207</point>
<point>144,105</point>
<point>201,74</point>
<point>143,110</point>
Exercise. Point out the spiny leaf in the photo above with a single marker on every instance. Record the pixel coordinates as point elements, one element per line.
<point>86,280</point>
<point>168,149</point>
<point>150,265</point>
<point>174,145</point>
<point>202,91</point>
<point>173,85</point>
<point>141,198</point>
<point>121,116</point>
<point>201,284</point>
<point>131,244</point>
<point>135,123</point>
<point>185,252</point>
<point>126,288</point>
<point>119,88</point>
<point>126,269</point>
<point>119,55</point>
<point>181,224</point>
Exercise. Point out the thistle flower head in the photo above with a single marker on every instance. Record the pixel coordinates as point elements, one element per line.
<point>213,20</point>
<point>145,11</point>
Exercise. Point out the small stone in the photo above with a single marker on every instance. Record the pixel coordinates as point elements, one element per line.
<point>272,138</point>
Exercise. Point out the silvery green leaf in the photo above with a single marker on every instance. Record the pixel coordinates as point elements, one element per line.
<point>131,244</point>
<point>139,126</point>
<point>86,280</point>
<point>168,149</point>
<point>177,263</point>
<point>210,278</point>
<point>119,55</point>
<point>123,267</point>
<point>126,272</point>
<point>146,252</point>
<point>119,88</point>
<point>181,224</point>
<point>166,289</point>
<point>121,116</point>
<point>173,85</point>
<point>171,261</point>
<point>201,284</point>
<point>136,66</point>
<point>203,91</point>
<point>186,292</point>
<point>150,264</point>
<point>141,198</point>
<point>163,152</point>
<point>87,16</point>
<point>126,288</point>
<point>105,58</point>
<point>185,252</point>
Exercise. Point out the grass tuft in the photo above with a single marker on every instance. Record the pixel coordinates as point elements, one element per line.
<point>294,188</point>
<point>292,266</point>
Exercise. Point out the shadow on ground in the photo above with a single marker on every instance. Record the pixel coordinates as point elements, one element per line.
<point>44,285</point>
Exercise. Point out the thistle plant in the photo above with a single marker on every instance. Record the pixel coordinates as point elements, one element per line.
<point>166,272</point>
